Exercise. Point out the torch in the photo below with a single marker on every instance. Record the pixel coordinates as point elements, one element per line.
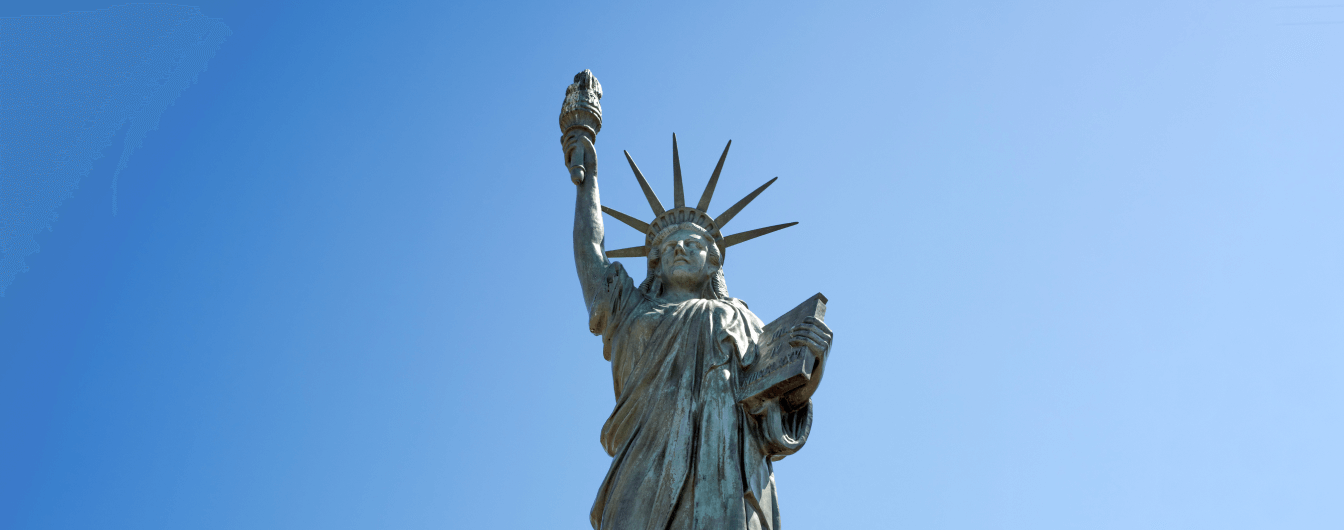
<point>580,117</point>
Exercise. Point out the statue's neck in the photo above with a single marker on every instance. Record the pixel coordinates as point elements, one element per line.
<point>674,293</point>
<point>677,296</point>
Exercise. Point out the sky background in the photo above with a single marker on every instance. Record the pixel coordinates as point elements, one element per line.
<point>1084,262</point>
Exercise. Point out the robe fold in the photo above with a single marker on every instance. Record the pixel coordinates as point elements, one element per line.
<point>685,455</point>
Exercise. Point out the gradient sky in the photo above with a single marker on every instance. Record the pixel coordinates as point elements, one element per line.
<point>1084,263</point>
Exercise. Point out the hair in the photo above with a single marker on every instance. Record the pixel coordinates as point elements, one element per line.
<point>715,289</point>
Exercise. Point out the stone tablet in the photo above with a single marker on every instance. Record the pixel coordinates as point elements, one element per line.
<point>783,369</point>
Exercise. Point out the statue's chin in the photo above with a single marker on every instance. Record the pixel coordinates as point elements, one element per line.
<point>684,278</point>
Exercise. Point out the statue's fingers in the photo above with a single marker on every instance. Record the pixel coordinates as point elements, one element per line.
<point>574,161</point>
<point>816,321</point>
<point>572,142</point>
<point>814,337</point>
<point>819,330</point>
<point>815,342</point>
<point>573,154</point>
<point>816,349</point>
<point>589,154</point>
<point>820,339</point>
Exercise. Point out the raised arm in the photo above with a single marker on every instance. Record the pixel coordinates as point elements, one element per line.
<point>590,258</point>
<point>580,121</point>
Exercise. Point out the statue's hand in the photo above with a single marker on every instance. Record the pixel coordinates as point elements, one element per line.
<point>580,155</point>
<point>815,335</point>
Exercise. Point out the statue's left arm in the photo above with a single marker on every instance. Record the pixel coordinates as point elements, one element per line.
<point>784,422</point>
<point>780,426</point>
<point>817,337</point>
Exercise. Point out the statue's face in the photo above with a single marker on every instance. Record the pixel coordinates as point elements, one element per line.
<point>684,259</point>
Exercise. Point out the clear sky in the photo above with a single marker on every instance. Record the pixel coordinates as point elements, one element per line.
<point>1084,262</point>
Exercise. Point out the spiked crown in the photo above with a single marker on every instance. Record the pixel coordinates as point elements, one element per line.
<point>680,213</point>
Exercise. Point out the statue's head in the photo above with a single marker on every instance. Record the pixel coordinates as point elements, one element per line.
<point>687,256</point>
<point>684,245</point>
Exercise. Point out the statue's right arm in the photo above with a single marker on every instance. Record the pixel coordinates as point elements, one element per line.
<point>590,258</point>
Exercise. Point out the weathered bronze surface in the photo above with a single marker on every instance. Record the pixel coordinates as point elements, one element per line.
<point>707,396</point>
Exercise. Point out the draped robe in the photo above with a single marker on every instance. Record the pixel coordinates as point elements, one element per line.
<point>685,455</point>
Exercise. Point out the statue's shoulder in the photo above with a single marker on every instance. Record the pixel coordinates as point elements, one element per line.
<point>736,307</point>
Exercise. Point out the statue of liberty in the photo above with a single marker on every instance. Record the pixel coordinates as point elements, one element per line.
<point>698,421</point>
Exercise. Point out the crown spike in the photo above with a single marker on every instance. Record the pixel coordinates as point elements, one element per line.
<point>632,252</point>
<point>713,181</point>
<point>678,196</point>
<point>743,237</point>
<point>723,218</point>
<point>642,226</point>
<point>648,192</point>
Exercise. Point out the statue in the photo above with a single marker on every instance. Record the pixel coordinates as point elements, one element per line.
<point>707,396</point>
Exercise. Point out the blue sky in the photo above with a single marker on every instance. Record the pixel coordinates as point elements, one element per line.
<point>1083,262</point>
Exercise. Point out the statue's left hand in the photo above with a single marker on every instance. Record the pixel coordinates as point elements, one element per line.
<point>815,335</point>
